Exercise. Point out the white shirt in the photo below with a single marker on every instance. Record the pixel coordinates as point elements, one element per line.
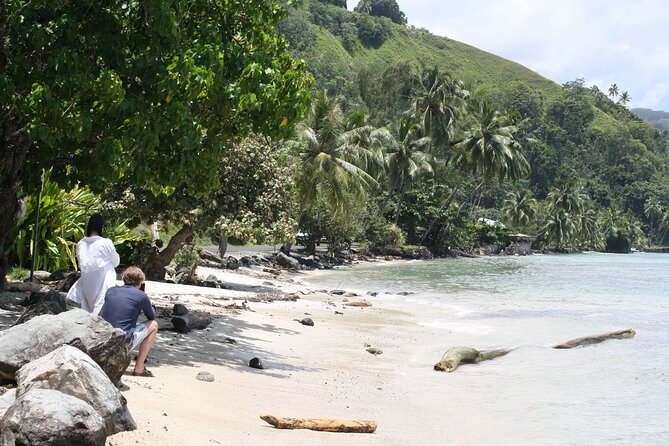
<point>97,260</point>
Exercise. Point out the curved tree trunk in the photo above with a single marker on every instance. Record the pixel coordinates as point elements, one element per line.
<point>155,268</point>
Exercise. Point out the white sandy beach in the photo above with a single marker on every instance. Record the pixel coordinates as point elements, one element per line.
<point>322,371</point>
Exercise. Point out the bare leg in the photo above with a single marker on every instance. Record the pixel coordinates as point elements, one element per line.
<point>145,346</point>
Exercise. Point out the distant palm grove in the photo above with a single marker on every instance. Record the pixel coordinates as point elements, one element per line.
<point>342,126</point>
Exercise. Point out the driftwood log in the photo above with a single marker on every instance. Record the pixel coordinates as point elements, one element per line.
<point>589,340</point>
<point>321,424</point>
<point>465,355</point>
<point>193,320</point>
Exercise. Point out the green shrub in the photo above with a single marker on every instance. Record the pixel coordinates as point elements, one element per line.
<point>62,223</point>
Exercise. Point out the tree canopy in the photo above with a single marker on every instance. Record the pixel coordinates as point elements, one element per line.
<point>150,92</point>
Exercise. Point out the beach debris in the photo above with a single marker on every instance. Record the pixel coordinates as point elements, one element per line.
<point>321,424</point>
<point>358,303</point>
<point>193,320</point>
<point>223,340</point>
<point>205,376</point>
<point>256,363</point>
<point>179,310</point>
<point>338,312</point>
<point>104,344</point>
<point>50,417</point>
<point>306,321</point>
<point>465,355</point>
<point>374,350</point>
<point>73,372</point>
<point>589,340</point>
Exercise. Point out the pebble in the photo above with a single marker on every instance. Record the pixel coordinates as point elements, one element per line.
<point>256,363</point>
<point>205,376</point>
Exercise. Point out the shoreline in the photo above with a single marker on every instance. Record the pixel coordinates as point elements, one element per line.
<point>322,371</point>
<point>325,371</point>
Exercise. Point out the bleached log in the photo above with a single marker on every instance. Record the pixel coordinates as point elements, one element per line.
<point>321,424</point>
<point>465,355</point>
<point>589,340</point>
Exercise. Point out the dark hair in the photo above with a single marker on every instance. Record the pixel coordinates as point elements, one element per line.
<point>96,224</point>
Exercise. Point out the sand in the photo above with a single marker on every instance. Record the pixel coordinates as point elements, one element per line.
<point>320,371</point>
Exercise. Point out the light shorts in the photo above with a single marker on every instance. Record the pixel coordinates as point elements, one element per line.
<point>140,333</point>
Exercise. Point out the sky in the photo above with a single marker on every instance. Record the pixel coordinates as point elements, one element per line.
<point>603,41</point>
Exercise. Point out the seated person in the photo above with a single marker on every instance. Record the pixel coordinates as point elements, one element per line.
<point>121,309</point>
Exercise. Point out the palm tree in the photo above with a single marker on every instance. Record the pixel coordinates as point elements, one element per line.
<point>653,210</point>
<point>406,158</point>
<point>569,198</point>
<point>587,227</point>
<point>437,105</point>
<point>490,146</point>
<point>613,90</point>
<point>559,227</point>
<point>334,162</point>
<point>520,207</point>
<point>664,226</point>
<point>624,98</point>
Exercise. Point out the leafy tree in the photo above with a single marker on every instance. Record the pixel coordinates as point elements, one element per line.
<point>253,202</point>
<point>148,92</point>
<point>382,8</point>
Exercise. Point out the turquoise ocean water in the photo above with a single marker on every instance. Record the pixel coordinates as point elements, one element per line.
<point>614,393</point>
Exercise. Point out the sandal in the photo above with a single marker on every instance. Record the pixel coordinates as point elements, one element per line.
<point>146,373</point>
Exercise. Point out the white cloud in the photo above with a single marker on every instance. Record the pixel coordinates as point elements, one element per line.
<point>605,41</point>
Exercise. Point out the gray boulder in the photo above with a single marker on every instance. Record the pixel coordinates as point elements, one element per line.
<point>51,302</point>
<point>73,372</point>
<point>6,401</point>
<point>41,335</point>
<point>51,418</point>
<point>287,261</point>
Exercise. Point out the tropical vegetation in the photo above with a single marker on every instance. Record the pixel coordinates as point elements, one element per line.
<point>354,127</point>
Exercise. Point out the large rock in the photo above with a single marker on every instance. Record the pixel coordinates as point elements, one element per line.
<point>51,418</point>
<point>26,342</point>
<point>39,303</point>
<point>6,401</point>
<point>73,372</point>
<point>287,261</point>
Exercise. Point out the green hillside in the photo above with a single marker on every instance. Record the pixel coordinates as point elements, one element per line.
<point>337,47</point>
<point>574,136</point>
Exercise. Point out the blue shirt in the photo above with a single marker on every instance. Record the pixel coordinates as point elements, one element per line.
<point>122,307</point>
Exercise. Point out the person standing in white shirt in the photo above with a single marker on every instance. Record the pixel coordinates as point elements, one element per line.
<point>97,260</point>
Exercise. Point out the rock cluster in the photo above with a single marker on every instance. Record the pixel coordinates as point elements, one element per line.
<point>63,397</point>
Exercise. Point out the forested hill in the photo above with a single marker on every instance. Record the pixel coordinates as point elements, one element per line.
<point>660,119</point>
<point>575,134</point>
<point>339,45</point>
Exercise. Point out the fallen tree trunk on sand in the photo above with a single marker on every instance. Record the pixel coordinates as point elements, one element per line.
<point>191,321</point>
<point>466,355</point>
<point>321,424</point>
<point>589,340</point>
